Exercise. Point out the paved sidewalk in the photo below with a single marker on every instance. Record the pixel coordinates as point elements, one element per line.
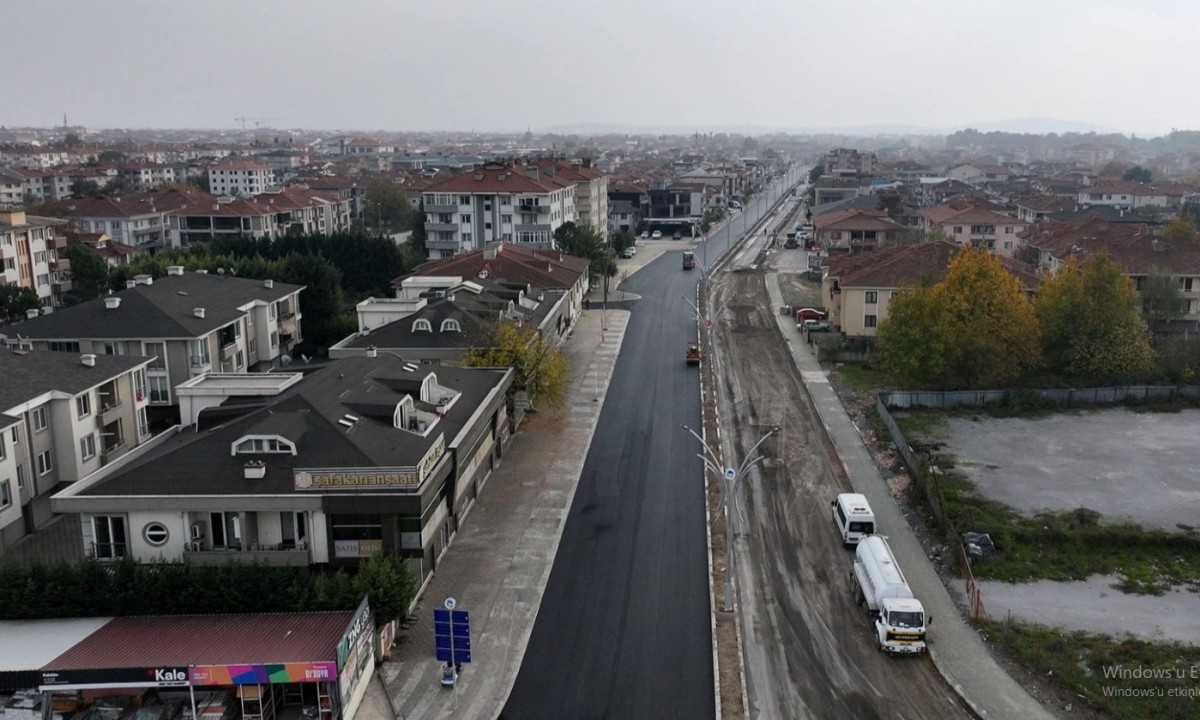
<point>499,562</point>
<point>954,646</point>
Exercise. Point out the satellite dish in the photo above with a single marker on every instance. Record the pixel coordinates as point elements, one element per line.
<point>220,271</point>
<point>305,358</point>
<point>285,360</point>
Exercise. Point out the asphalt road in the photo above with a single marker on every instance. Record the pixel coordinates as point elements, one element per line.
<point>624,629</point>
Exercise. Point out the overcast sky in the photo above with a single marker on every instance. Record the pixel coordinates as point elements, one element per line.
<point>508,65</point>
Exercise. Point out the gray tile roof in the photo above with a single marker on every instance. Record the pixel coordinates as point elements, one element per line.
<point>201,464</point>
<point>29,373</point>
<point>161,310</point>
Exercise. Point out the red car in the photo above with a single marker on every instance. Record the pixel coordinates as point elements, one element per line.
<point>809,314</point>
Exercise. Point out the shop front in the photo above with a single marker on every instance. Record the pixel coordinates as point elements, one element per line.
<point>282,666</point>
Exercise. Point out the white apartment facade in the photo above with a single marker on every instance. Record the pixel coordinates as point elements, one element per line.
<point>29,256</point>
<point>63,416</point>
<point>239,177</point>
<point>496,202</point>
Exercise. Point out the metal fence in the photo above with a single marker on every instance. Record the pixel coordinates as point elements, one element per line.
<point>1083,396</point>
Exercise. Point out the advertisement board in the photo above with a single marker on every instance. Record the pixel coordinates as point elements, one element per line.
<point>202,675</point>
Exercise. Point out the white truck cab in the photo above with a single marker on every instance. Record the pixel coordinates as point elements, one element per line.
<point>898,618</point>
<point>853,517</point>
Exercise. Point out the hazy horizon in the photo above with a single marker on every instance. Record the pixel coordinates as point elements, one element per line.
<point>927,65</point>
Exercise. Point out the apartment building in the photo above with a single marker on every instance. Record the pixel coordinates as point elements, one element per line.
<point>139,220</point>
<point>62,417</point>
<point>591,191</point>
<point>273,214</point>
<point>236,176</point>
<point>29,256</point>
<point>189,323</point>
<point>367,455</point>
<point>502,202</point>
<point>978,227</point>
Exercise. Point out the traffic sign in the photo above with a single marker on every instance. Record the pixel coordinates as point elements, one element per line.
<point>707,322</point>
<point>452,634</point>
<point>730,473</point>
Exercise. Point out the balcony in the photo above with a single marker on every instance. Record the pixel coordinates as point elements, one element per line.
<point>60,264</point>
<point>531,228</point>
<point>283,555</point>
<point>536,209</point>
<point>200,361</point>
<point>108,551</point>
<point>454,245</point>
<point>58,242</point>
<point>441,227</point>
<point>431,208</point>
<point>62,285</point>
<point>228,351</point>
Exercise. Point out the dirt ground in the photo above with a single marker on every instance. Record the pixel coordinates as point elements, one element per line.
<point>793,575</point>
<point>798,291</point>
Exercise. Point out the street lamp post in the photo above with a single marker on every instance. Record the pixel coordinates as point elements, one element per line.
<point>730,501</point>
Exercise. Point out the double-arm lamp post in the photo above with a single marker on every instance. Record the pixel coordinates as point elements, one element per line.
<point>731,506</point>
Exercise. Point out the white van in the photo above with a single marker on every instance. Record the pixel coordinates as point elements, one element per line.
<point>853,517</point>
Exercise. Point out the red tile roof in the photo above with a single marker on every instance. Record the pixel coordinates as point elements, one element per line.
<point>542,269</point>
<point>163,641</point>
<point>898,266</point>
<point>499,179</point>
<point>238,164</point>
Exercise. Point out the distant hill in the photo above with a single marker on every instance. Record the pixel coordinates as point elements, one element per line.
<point>1036,126</point>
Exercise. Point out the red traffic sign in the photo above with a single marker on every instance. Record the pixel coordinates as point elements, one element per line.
<point>707,322</point>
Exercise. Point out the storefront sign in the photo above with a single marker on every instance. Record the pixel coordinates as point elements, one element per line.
<point>409,477</point>
<point>261,674</point>
<point>118,677</point>
<point>357,548</point>
<point>355,651</point>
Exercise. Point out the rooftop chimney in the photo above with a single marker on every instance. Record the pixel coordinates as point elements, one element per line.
<point>372,351</point>
<point>198,312</point>
<point>201,272</point>
<point>255,469</point>
<point>268,284</point>
<point>143,280</point>
<point>88,360</point>
<point>130,283</point>
<point>174,269</point>
<point>112,302</point>
<point>31,313</point>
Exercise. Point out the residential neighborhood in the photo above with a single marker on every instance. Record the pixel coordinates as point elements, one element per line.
<point>358,365</point>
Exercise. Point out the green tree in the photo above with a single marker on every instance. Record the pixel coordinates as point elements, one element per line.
<point>1181,231</point>
<point>1137,173</point>
<point>386,207</point>
<point>72,140</point>
<point>540,367</point>
<point>87,187</point>
<point>974,329</point>
<point>322,302</point>
<point>582,241</point>
<point>1162,298</point>
<point>89,274</point>
<point>15,301</point>
<point>1114,168</point>
<point>418,233</point>
<point>389,585</point>
<point>817,171</point>
<point>112,156</point>
<point>623,239</point>
<point>1090,328</point>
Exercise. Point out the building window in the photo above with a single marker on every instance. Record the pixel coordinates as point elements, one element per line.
<point>450,325</point>
<point>1008,229</point>
<point>159,392</point>
<point>108,537</point>
<point>83,404</point>
<point>465,219</point>
<point>870,321</point>
<point>274,339</point>
<point>958,229</point>
<point>254,445</point>
<point>87,446</point>
<point>156,534</point>
<point>143,421</point>
<point>63,346</point>
<point>5,494</point>
<point>872,297</point>
<point>44,462</point>
<point>39,419</point>
<point>421,325</point>
<point>20,477</point>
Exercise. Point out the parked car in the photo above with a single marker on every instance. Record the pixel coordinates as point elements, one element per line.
<point>803,314</point>
<point>676,236</point>
<point>629,252</point>
<point>657,234</point>
<point>816,326</point>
